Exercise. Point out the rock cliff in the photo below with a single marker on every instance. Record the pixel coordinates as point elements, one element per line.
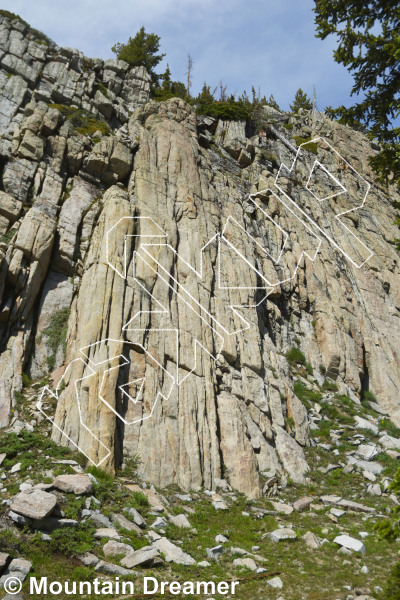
<point>161,272</point>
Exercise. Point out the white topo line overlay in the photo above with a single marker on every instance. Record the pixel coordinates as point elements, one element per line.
<point>344,190</point>
<point>184,295</point>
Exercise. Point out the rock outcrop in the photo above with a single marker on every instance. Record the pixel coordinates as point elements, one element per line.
<point>125,226</point>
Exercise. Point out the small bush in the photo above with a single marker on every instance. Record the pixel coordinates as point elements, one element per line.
<point>26,380</point>
<point>322,369</point>
<point>72,541</point>
<point>83,121</point>
<point>329,386</point>
<point>368,396</point>
<point>56,334</point>
<point>228,111</point>
<point>140,499</point>
<point>387,425</point>
<point>8,236</point>
<point>305,394</point>
<point>102,88</point>
<point>290,423</point>
<point>295,356</point>
<point>306,143</point>
<point>392,587</point>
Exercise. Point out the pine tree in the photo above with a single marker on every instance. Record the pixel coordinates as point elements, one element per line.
<point>272,102</point>
<point>301,100</point>
<point>369,46</point>
<point>206,96</point>
<point>141,50</point>
<point>166,78</point>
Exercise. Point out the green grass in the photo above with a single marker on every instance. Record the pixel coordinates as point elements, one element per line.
<point>305,394</point>
<point>56,334</point>
<point>139,501</point>
<point>7,237</point>
<point>83,122</point>
<point>30,449</point>
<point>387,425</point>
<point>295,356</point>
<point>306,143</point>
<point>329,386</point>
<point>72,541</point>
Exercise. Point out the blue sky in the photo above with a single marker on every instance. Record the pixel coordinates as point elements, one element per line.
<point>263,43</point>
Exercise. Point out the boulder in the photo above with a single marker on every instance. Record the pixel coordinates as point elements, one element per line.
<point>365,424</point>
<point>181,521</point>
<point>32,146</point>
<point>276,583</point>
<point>18,568</point>
<point>291,456</point>
<point>390,442</point>
<point>311,540</point>
<point>124,523</point>
<point>10,208</point>
<point>34,504</point>
<point>106,532</point>
<point>89,559</point>
<point>303,503</point>
<point>136,517</point>
<point>350,543</point>
<point>280,535</point>
<point>153,498</point>
<point>215,552</point>
<point>111,569</point>
<point>74,484</point>
<point>247,563</point>
<point>143,557</point>
<point>120,161</point>
<point>282,508</point>
<point>113,548</point>
<point>173,553</point>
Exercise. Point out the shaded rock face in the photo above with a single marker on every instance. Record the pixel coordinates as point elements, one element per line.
<point>107,201</point>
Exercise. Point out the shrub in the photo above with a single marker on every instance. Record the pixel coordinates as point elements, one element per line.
<point>228,111</point>
<point>329,386</point>
<point>26,380</point>
<point>141,50</point>
<point>140,499</point>
<point>294,355</point>
<point>83,121</point>
<point>289,422</point>
<point>306,143</point>
<point>367,395</point>
<point>72,541</point>
<point>56,334</point>
<point>392,587</point>
<point>8,236</point>
<point>301,100</point>
<point>305,394</point>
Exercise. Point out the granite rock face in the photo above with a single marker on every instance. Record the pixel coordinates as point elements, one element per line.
<point>107,201</point>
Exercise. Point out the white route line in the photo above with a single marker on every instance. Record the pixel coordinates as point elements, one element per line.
<point>93,372</point>
<point>161,234</point>
<point>180,291</point>
<point>345,212</point>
